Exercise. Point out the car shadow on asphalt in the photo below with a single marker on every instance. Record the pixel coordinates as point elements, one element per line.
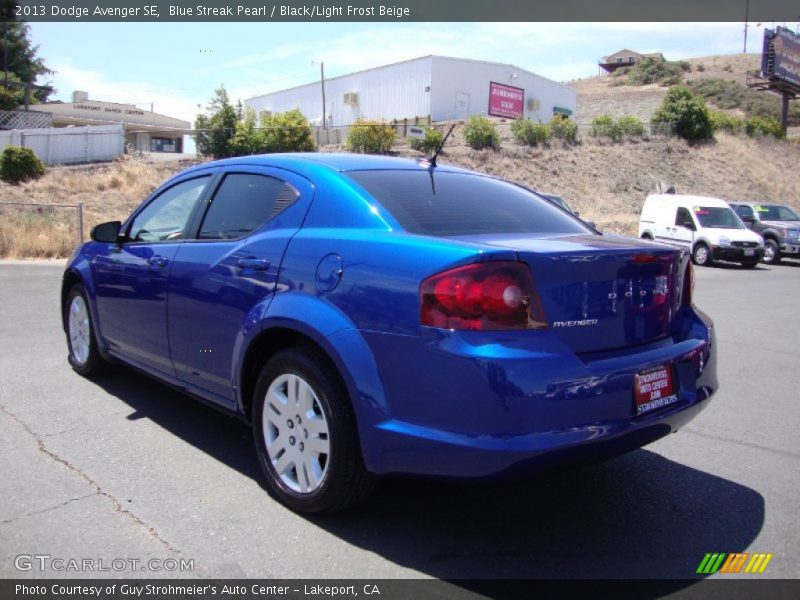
<point>636,516</point>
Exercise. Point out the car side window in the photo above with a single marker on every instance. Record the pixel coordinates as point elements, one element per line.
<point>744,211</point>
<point>165,218</point>
<point>682,216</point>
<point>243,202</point>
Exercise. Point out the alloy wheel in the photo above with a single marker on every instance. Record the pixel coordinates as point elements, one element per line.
<point>296,433</point>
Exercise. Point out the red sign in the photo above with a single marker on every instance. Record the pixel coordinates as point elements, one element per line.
<point>654,388</point>
<point>505,101</point>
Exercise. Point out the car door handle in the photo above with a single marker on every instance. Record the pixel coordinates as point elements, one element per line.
<point>157,261</point>
<point>254,264</point>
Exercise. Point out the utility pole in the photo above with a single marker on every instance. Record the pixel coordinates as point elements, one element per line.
<point>746,15</point>
<point>5,51</point>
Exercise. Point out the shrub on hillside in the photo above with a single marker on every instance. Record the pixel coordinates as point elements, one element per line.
<point>19,164</point>
<point>687,114</point>
<point>479,133</point>
<point>722,121</point>
<point>604,126</point>
<point>370,137</point>
<point>763,126</point>
<point>657,70</point>
<point>726,94</point>
<point>530,133</point>
<point>630,126</point>
<point>432,140</point>
<point>563,128</point>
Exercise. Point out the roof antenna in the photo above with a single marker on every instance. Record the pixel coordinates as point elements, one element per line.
<point>432,160</point>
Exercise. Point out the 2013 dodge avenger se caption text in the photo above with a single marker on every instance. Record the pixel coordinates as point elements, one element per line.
<point>374,316</point>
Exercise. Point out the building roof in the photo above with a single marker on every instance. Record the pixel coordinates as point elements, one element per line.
<point>402,62</point>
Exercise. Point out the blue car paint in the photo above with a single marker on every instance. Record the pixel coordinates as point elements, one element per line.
<point>427,401</point>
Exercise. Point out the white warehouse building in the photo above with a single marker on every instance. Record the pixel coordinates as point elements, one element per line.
<point>438,87</point>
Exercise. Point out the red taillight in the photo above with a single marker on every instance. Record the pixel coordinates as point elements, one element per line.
<point>491,295</point>
<point>688,285</point>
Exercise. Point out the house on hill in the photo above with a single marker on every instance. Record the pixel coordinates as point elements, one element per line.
<point>625,58</point>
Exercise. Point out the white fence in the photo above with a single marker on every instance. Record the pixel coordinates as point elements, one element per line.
<point>69,145</point>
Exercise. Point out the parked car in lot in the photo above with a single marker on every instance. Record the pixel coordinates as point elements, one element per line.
<point>560,202</point>
<point>374,316</point>
<point>706,226</point>
<point>779,225</point>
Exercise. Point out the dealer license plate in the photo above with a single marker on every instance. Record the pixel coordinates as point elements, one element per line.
<point>654,388</point>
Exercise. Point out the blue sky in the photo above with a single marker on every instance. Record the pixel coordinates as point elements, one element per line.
<point>177,65</point>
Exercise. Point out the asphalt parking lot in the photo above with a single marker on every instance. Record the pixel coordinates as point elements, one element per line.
<point>125,468</point>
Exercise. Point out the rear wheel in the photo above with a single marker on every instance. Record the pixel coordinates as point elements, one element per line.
<point>772,252</point>
<point>647,236</point>
<point>701,255</point>
<point>305,434</point>
<point>84,356</point>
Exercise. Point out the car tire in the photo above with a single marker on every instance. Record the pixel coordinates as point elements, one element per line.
<point>305,434</point>
<point>750,265</point>
<point>647,236</point>
<point>772,252</point>
<point>701,256</point>
<point>84,355</point>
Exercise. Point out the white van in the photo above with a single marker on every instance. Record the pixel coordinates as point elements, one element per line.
<point>707,226</point>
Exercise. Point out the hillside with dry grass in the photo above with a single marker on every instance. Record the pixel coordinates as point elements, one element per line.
<point>606,181</point>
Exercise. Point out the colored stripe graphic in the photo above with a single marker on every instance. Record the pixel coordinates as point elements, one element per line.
<point>723,562</point>
<point>734,563</point>
<point>758,563</point>
<point>711,563</point>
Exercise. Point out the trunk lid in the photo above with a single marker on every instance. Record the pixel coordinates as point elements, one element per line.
<point>602,292</point>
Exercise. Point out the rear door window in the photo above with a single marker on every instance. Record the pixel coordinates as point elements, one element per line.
<point>242,203</point>
<point>450,204</point>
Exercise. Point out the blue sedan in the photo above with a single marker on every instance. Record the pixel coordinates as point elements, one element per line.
<point>373,316</point>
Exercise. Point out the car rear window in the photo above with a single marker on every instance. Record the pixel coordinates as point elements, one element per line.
<point>451,204</point>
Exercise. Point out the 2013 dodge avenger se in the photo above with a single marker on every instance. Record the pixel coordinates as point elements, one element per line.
<point>374,316</point>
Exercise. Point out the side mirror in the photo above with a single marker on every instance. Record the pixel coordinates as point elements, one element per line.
<point>106,232</point>
<point>690,225</point>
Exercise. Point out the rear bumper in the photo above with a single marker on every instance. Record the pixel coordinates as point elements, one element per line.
<point>734,254</point>
<point>462,407</point>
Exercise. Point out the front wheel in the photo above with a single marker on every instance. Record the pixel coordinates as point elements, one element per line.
<point>305,434</point>
<point>772,252</point>
<point>750,265</point>
<point>84,356</point>
<point>701,255</point>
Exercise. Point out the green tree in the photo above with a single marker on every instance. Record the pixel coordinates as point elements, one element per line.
<point>530,133</point>
<point>479,133</point>
<point>687,113</point>
<point>287,132</point>
<point>24,62</point>
<point>19,164</point>
<point>248,138</point>
<point>605,126</point>
<point>216,129</point>
<point>370,137</point>
<point>563,128</point>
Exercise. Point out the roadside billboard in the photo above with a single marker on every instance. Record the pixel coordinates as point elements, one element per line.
<point>505,100</point>
<point>781,56</point>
